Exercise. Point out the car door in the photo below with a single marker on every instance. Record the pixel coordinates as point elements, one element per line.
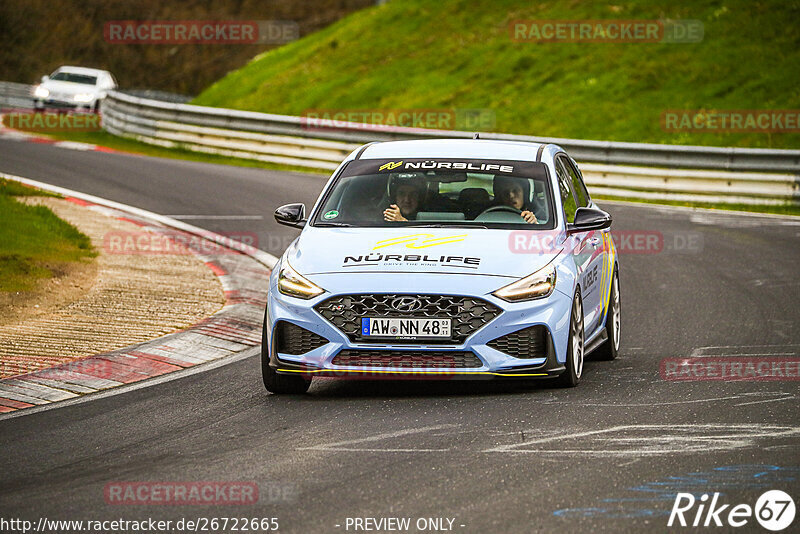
<point>586,247</point>
<point>599,276</point>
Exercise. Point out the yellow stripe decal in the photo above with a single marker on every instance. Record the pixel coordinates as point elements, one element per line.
<point>611,256</point>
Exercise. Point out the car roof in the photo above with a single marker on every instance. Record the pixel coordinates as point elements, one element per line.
<point>81,70</point>
<point>456,148</point>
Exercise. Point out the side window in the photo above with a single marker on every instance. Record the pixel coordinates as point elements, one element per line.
<point>577,183</point>
<point>565,188</point>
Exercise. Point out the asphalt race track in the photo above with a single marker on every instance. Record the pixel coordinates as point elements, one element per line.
<point>608,455</point>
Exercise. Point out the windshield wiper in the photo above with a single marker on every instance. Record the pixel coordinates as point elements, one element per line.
<point>333,224</point>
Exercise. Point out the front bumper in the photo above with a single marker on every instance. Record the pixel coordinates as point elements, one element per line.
<point>62,105</point>
<point>551,313</point>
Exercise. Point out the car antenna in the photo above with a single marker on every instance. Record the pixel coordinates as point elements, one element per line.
<point>476,136</point>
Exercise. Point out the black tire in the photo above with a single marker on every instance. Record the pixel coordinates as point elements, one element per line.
<point>575,358</point>
<point>609,350</point>
<point>278,383</point>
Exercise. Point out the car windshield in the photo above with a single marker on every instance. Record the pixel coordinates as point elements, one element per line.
<point>441,192</point>
<point>84,79</point>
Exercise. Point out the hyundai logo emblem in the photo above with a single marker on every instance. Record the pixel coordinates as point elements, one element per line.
<point>406,304</point>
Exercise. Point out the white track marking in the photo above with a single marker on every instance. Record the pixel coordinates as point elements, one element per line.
<point>342,446</point>
<point>645,404</point>
<point>671,439</point>
<point>778,396</point>
<point>789,349</point>
<point>74,145</point>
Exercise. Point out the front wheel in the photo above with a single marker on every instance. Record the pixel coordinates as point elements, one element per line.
<point>574,366</point>
<point>277,383</point>
<point>609,350</point>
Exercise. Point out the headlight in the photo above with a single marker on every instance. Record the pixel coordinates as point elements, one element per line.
<point>41,92</point>
<point>291,283</point>
<point>83,97</point>
<point>536,286</point>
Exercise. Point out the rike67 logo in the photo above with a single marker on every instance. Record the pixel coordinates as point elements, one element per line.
<point>774,510</point>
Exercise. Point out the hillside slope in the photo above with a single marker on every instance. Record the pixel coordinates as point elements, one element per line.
<point>40,35</point>
<point>455,54</point>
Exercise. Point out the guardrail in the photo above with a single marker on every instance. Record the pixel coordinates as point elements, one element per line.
<point>16,95</point>
<point>303,142</point>
<point>636,170</point>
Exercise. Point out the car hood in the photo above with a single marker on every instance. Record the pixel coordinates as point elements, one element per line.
<point>69,88</point>
<point>423,250</point>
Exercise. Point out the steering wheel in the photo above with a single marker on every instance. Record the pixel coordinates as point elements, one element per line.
<point>501,208</point>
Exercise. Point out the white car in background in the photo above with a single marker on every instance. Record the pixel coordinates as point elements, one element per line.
<point>75,88</point>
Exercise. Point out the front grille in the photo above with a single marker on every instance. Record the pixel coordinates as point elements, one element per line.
<point>408,359</point>
<point>468,314</point>
<point>295,340</point>
<point>529,342</point>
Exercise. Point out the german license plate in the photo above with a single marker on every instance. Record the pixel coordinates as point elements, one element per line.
<point>404,327</point>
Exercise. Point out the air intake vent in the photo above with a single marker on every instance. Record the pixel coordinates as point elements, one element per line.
<point>527,343</point>
<point>295,340</point>
<point>408,359</point>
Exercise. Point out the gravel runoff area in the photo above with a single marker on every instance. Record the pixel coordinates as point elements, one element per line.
<point>118,300</point>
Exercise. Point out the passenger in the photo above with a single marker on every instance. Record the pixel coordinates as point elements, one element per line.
<point>406,193</point>
<point>514,193</point>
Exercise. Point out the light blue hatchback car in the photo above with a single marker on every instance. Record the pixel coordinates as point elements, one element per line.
<point>444,259</point>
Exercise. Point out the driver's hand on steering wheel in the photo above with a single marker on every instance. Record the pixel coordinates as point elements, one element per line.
<point>529,217</point>
<point>392,213</point>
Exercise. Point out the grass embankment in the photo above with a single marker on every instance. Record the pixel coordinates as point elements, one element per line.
<point>459,54</point>
<point>779,209</point>
<point>34,243</point>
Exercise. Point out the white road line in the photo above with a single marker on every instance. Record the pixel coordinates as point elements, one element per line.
<point>644,404</point>
<point>673,439</point>
<point>74,145</point>
<point>342,445</point>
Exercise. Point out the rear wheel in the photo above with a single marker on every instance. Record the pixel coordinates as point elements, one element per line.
<point>609,350</point>
<point>278,383</point>
<point>574,365</point>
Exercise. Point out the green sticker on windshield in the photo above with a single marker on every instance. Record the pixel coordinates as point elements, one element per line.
<point>331,215</point>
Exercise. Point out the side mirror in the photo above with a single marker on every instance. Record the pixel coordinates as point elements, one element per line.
<point>587,219</point>
<point>291,215</point>
<point>45,78</point>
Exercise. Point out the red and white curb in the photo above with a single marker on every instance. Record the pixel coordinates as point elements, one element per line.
<point>244,275</point>
<point>19,135</point>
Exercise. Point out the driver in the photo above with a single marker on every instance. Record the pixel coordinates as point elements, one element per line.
<point>513,192</point>
<point>405,192</point>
